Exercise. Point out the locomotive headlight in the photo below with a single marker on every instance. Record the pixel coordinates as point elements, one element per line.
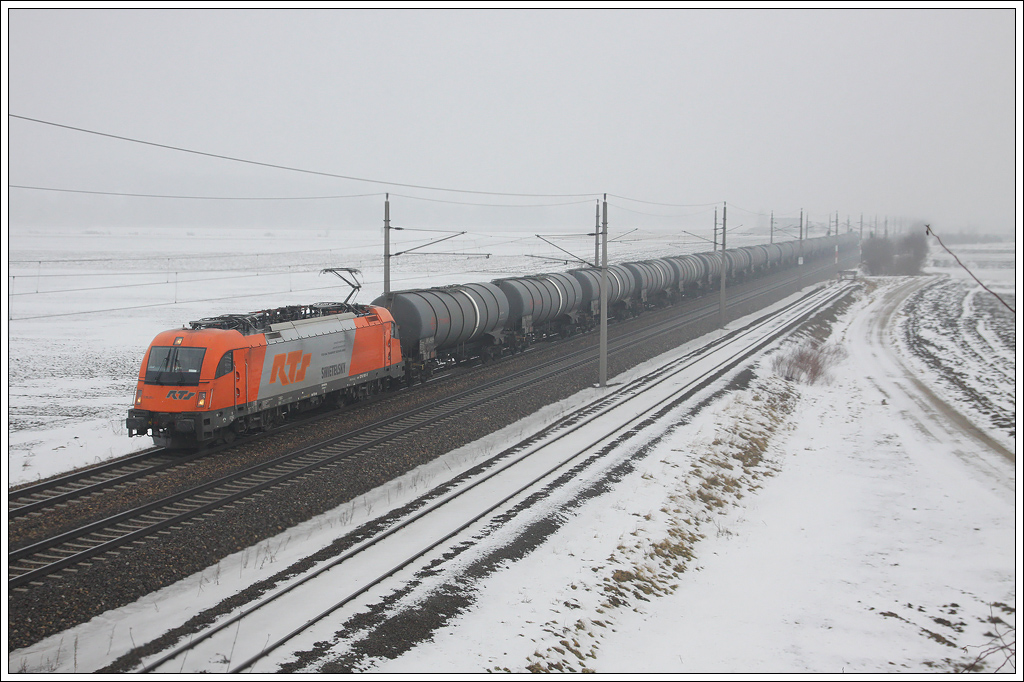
<point>138,396</point>
<point>202,399</point>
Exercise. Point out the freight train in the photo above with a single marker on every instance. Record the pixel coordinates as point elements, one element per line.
<point>231,375</point>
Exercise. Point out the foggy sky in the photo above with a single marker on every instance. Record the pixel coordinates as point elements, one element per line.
<point>908,114</point>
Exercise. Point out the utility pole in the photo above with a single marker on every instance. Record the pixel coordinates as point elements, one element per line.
<point>387,244</point>
<point>721,295</point>
<point>603,360</point>
<point>800,258</point>
<point>771,233</point>
<point>715,232</point>
<point>597,233</point>
<point>862,226</point>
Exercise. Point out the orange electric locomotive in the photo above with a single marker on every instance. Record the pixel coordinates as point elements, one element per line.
<point>235,374</point>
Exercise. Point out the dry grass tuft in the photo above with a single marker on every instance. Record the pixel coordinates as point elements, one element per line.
<point>808,363</point>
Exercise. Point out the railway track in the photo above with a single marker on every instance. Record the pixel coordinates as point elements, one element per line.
<point>33,498</point>
<point>443,518</point>
<point>64,552</point>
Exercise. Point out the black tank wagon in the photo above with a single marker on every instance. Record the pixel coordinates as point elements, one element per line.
<point>622,286</point>
<point>540,306</point>
<point>447,324</point>
<point>654,277</point>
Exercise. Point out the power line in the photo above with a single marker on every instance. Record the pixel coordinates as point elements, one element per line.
<point>162,258</point>
<point>659,215</point>
<point>165,283</point>
<point>181,196</point>
<point>655,203</point>
<point>178,303</point>
<point>304,198</point>
<point>193,281</point>
<point>158,305</point>
<point>589,195</point>
<point>291,168</point>
<point>266,269</point>
<point>468,203</point>
<point>928,230</point>
<point>778,214</point>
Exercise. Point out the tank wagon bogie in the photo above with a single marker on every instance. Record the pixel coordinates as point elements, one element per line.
<point>238,374</point>
<point>672,275</point>
<point>589,280</point>
<point>774,255</point>
<point>740,264</point>
<point>712,267</point>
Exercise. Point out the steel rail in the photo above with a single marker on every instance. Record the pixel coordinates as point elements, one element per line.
<point>809,304</point>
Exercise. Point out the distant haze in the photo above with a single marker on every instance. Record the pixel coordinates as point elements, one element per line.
<point>904,116</point>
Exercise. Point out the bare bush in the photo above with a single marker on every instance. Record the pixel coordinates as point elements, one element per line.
<point>896,256</point>
<point>808,362</point>
<point>1001,648</point>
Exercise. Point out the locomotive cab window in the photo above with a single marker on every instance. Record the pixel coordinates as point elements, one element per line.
<point>225,365</point>
<point>174,365</point>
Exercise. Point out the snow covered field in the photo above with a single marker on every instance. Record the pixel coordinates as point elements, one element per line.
<point>84,306</point>
<point>867,535</point>
<point>963,339</point>
<point>880,539</point>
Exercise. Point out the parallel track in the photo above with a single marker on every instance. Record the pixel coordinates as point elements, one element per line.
<point>31,499</point>
<point>63,552</point>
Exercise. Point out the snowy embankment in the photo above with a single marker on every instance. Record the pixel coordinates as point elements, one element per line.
<point>862,544</point>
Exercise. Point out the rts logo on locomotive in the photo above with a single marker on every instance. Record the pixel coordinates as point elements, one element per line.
<point>180,395</point>
<point>296,362</point>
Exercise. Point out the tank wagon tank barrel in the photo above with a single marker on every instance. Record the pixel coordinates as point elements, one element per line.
<point>541,306</point>
<point>622,288</point>
<point>653,278</point>
<point>454,322</point>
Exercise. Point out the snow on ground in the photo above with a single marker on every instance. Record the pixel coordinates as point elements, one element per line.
<point>846,538</point>
<point>963,338</point>
<point>870,547</point>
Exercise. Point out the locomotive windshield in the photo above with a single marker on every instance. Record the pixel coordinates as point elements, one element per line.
<point>174,366</point>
